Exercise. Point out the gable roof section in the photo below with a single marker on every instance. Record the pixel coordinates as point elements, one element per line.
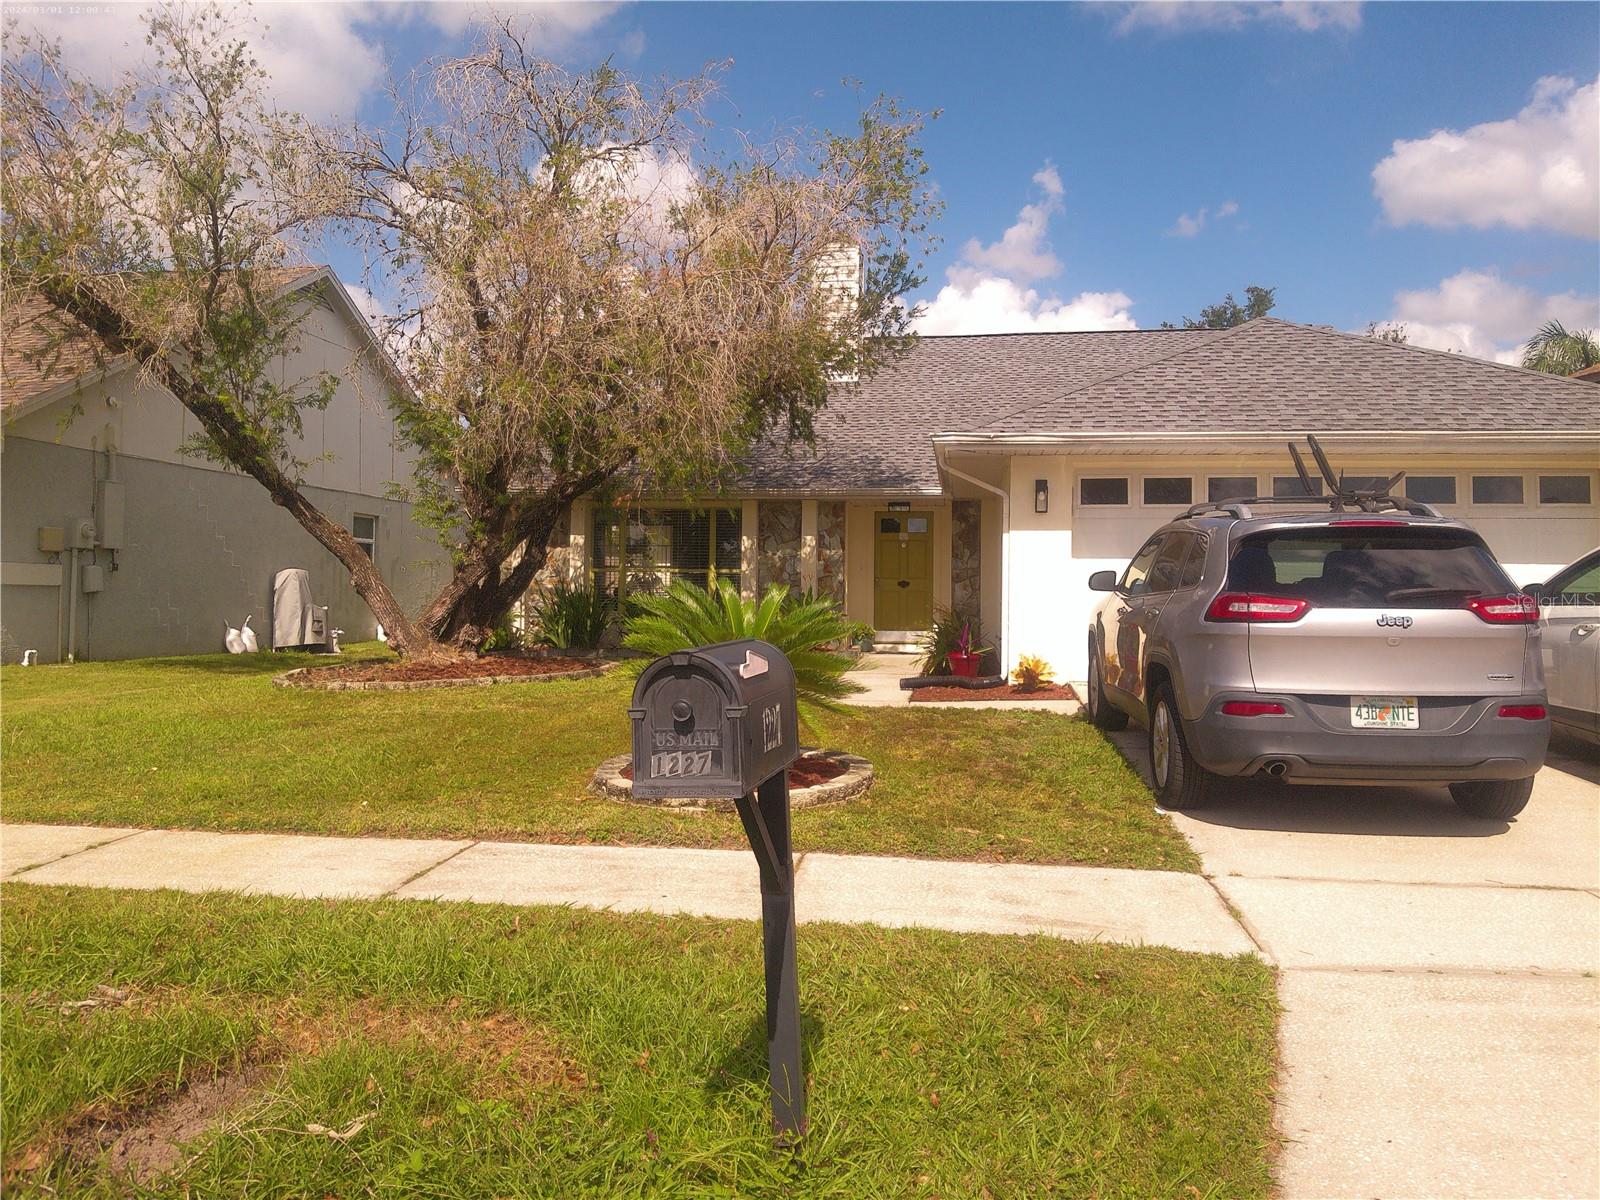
<point>1269,375</point>
<point>1266,376</point>
<point>44,353</point>
<point>874,436</point>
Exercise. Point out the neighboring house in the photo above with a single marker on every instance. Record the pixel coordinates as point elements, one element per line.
<point>995,473</point>
<point>1588,374</point>
<point>173,546</point>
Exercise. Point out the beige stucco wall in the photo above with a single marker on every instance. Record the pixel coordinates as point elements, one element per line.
<point>202,541</point>
<point>1052,555</point>
<point>350,444</point>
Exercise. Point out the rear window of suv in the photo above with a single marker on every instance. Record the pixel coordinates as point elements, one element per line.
<point>1367,568</point>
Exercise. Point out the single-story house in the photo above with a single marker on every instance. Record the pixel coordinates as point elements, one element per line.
<point>169,547</point>
<point>994,473</point>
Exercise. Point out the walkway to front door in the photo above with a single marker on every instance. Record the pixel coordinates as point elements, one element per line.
<point>902,571</point>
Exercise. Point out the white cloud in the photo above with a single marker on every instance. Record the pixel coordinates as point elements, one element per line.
<point>1023,252</point>
<point>988,289</point>
<point>554,22</point>
<point>1189,225</point>
<point>1483,315</point>
<point>321,59</point>
<point>993,305</point>
<point>1540,169</point>
<point>316,57</point>
<point>1183,16</point>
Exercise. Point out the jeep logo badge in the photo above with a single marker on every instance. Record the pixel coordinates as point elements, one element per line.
<point>1394,622</point>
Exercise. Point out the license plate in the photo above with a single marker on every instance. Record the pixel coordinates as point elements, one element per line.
<point>1383,712</point>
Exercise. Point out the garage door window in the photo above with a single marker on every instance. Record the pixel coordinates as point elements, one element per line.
<point>1169,489</point>
<point>1291,485</point>
<point>1563,489</point>
<point>1431,489</point>
<point>1103,491</point>
<point>1497,489</point>
<point>1230,487</point>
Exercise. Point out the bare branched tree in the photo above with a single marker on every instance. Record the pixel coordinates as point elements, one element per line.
<point>586,293</point>
<point>589,293</point>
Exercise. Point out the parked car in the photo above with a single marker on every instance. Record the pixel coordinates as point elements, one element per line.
<point>1569,649</point>
<point>1384,645</point>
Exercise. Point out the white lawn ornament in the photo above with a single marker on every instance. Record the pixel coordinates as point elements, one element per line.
<point>232,640</point>
<point>248,636</point>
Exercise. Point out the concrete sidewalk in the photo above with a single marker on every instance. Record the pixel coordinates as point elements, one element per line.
<point>1441,1012</point>
<point>1160,908</point>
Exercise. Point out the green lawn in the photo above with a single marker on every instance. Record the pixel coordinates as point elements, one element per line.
<point>208,743</point>
<point>472,1051</point>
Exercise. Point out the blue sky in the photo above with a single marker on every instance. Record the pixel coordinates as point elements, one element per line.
<point>1146,159</point>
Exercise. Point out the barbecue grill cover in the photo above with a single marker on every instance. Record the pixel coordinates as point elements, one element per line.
<point>296,621</point>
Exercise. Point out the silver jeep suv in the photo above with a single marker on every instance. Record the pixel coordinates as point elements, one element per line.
<point>1367,641</point>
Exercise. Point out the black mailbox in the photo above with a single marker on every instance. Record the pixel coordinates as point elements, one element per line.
<point>719,722</point>
<point>715,721</point>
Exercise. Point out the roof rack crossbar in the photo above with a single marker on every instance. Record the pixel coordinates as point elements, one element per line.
<point>1240,506</point>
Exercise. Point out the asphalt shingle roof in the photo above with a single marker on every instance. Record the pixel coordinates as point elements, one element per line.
<point>1266,375</point>
<point>875,435</point>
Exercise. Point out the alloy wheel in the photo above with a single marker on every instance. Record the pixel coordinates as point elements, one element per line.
<point>1161,745</point>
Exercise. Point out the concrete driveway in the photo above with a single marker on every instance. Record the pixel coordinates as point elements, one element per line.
<point>1441,1027</point>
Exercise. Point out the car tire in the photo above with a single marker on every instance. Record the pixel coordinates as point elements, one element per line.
<point>1102,713</point>
<point>1181,783</point>
<point>1492,799</point>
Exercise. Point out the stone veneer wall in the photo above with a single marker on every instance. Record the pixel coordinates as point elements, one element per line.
<point>778,544</point>
<point>830,550</point>
<point>560,563</point>
<point>966,556</point>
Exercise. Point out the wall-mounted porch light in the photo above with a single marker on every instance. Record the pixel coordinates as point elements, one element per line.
<point>1041,495</point>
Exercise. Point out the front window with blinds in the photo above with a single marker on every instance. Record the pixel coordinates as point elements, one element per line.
<point>647,549</point>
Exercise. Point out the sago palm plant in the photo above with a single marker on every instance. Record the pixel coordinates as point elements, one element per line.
<point>685,616</point>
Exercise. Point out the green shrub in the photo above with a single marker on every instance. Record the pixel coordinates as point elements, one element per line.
<point>505,637</point>
<point>572,618</point>
<point>685,616</point>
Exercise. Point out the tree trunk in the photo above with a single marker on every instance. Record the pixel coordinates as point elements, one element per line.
<point>477,597</point>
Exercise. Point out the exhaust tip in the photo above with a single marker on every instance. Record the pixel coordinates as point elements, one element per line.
<point>1277,768</point>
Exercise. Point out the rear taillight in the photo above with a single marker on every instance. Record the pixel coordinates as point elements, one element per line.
<point>1247,606</point>
<point>1516,609</point>
<point>1357,523</point>
<point>1524,712</point>
<point>1253,708</point>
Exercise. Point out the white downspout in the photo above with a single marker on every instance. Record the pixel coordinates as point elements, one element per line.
<point>1005,556</point>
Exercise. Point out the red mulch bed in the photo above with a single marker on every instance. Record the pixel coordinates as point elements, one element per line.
<point>806,771</point>
<point>410,670</point>
<point>1008,691</point>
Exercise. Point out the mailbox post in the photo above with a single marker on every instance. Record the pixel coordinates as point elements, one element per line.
<point>719,722</point>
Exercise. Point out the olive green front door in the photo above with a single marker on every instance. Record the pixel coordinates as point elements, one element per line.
<point>902,570</point>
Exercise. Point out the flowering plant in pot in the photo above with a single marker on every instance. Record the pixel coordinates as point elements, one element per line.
<point>952,634</point>
<point>965,657</point>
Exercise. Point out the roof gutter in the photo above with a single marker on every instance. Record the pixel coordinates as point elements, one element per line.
<point>1005,549</point>
<point>954,439</point>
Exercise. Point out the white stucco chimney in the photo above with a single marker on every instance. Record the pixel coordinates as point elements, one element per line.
<point>839,277</point>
